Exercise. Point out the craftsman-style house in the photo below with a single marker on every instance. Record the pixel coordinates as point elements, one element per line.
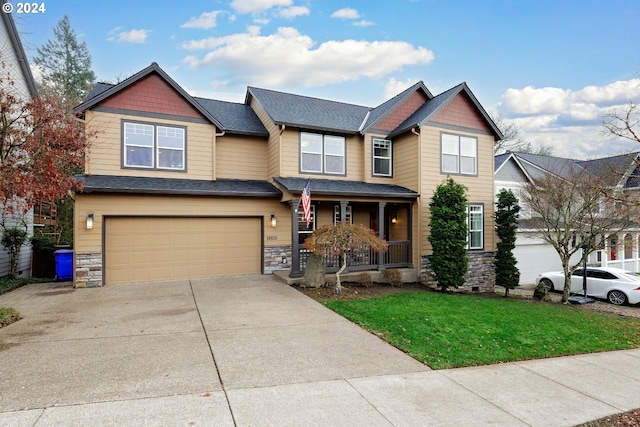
<point>177,186</point>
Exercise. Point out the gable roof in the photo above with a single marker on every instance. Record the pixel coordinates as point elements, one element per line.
<point>379,112</point>
<point>307,112</point>
<point>622,170</point>
<point>434,105</point>
<point>226,116</point>
<point>14,38</point>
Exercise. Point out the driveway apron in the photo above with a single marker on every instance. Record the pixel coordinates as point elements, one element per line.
<point>121,351</point>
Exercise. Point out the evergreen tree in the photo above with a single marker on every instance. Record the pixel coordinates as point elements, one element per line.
<point>449,231</point>
<point>507,212</point>
<point>66,66</point>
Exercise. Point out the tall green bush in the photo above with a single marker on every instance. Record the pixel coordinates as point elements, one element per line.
<point>448,236</point>
<point>507,213</point>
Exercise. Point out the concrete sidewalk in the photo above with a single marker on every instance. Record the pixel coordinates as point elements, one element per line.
<point>249,350</point>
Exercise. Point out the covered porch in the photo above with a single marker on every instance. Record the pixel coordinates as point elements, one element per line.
<point>385,209</point>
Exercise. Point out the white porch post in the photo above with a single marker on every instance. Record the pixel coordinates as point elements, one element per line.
<point>636,241</point>
<point>605,255</point>
<point>621,246</point>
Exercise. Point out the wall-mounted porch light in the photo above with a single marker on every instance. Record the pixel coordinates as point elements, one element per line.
<point>394,219</point>
<point>274,221</point>
<point>89,221</point>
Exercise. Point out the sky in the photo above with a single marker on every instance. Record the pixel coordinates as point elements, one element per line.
<point>551,67</point>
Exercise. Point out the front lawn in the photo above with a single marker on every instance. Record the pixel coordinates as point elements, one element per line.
<point>453,330</point>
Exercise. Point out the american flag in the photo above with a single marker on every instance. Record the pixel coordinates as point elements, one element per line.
<point>306,202</point>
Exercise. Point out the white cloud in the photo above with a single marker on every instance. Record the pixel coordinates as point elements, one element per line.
<point>133,36</point>
<point>205,21</point>
<point>618,92</point>
<point>570,121</point>
<point>346,13</point>
<point>256,6</point>
<point>363,23</point>
<point>294,11</point>
<point>289,57</point>
<point>394,87</point>
<point>535,101</point>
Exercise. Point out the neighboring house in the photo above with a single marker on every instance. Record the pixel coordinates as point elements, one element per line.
<point>534,255</point>
<point>177,186</point>
<point>15,64</point>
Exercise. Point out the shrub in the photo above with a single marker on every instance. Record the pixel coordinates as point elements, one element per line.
<point>12,240</point>
<point>43,244</point>
<point>393,276</point>
<point>8,315</point>
<point>365,279</point>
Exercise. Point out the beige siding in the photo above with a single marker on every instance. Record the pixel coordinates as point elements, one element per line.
<point>274,145</point>
<point>406,161</point>
<point>105,154</point>
<point>479,188</point>
<point>147,205</point>
<point>291,157</point>
<point>241,157</point>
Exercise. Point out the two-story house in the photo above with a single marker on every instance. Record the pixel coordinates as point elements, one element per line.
<point>177,186</point>
<point>514,170</point>
<point>17,79</point>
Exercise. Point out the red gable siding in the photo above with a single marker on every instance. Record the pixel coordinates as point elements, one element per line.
<point>460,111</point>
<point>152,95</point>
<point>404,110</point>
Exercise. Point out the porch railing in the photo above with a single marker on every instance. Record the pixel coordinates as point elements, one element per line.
<point>363,258</point>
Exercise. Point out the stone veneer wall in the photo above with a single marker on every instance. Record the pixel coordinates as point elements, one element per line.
<point>273,258</point>
<point>88,270</point>
<point>480,277</point>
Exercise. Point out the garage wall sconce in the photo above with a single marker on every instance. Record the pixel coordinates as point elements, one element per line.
<point>89,221</point>
<point>394,219</point>
<point>274,221</point>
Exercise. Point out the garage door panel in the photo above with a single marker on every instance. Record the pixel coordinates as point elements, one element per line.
<point>155,249</point>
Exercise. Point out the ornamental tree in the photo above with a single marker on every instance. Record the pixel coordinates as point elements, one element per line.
<point>507,213</point>
<point>448,237</point>
<point>341,238</point>
<point>41,144</point>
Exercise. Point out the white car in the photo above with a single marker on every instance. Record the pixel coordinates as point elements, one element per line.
<point>613,284</point>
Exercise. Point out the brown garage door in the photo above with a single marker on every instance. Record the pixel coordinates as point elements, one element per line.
<point>153,249</point>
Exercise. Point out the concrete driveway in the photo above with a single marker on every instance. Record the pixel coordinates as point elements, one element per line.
<point>252,351</point>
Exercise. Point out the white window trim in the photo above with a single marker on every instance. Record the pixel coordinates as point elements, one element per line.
<point>458,155</point>
<point>312,223</point>
<point>390,158</point>
<point>324,155</point>
<point>336,214</point>
<point>469,222</point>
<point>155,149</point>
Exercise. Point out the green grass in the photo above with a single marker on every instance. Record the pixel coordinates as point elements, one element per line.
<point>448,331</point>
<point>7,284</point>
<point>8,315</point>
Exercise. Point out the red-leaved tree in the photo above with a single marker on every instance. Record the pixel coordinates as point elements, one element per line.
<point>340,239</point>
<point>41,143</point>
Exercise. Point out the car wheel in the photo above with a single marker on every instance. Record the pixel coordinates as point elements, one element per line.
<point>617,297</point>
<point>547,284</point>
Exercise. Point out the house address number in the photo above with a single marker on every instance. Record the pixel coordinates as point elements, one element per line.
<point>272,237</point>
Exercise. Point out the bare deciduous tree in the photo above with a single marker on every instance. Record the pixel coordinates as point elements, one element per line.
<point>623,122</point>
<point>576,208</point>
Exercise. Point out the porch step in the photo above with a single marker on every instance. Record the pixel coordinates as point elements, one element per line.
<point>409,275</point>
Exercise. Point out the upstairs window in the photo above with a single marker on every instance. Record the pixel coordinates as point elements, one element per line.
<point>153,147</point>
<point>322,153</point>
<point>459,154</point>
<point>381,157</point>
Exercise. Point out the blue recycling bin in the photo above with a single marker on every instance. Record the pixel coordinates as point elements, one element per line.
<point>64,264</point>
